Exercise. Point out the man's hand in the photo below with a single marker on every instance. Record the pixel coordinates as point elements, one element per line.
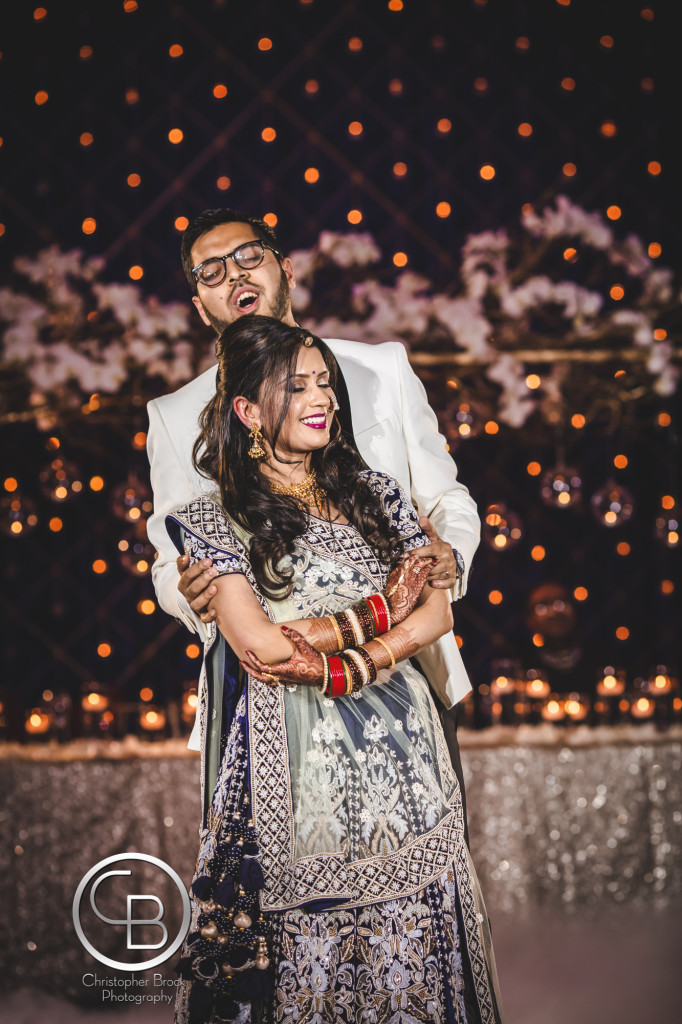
<point>444,573</point>
<point>196,585</point>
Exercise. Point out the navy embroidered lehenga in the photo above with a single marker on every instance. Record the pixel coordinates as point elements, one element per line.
<point>334,827</point>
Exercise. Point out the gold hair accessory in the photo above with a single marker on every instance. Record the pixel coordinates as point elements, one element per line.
<point>308,340</point>
<point>308,491</point>
<point>256,451</point>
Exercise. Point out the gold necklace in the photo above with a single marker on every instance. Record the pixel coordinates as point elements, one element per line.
<point>308,491</point>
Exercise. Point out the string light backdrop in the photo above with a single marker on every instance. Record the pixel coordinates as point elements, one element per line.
<point>418,124</point>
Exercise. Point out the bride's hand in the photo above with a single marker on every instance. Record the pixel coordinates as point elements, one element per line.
<point>304,667</point>
<point>405,585</point>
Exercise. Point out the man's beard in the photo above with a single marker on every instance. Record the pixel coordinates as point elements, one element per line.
<point>280,308</point>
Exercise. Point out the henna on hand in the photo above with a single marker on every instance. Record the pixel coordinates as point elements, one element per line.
<point>405,585</point>
<point>305,665</point>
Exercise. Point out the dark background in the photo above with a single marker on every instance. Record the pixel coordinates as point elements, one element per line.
<point>486,67</point>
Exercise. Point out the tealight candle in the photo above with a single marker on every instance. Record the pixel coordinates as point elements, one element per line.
<point>500,686</point>
<point>643,707</point>
<point>537,686</point>
<point>153,719</point>
<point>577,707</point>
<point>553,709</point>
<point>612,682</point>
<point>190,702</point>
<point>660,682</point>
<point>95,701</point>
<point>37,722</point>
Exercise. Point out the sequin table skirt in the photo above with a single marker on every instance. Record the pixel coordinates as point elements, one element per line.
<point>570,820</point>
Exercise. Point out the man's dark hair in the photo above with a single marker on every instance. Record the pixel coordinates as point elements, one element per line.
<point>210,219</point>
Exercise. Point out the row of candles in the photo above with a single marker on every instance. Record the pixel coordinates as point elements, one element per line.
<point>59,717</point>
<point>512,697</point>
<point>515,697</point>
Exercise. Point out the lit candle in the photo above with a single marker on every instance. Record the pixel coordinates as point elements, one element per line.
<point>153,719</point>
<point>553,709</point>
<point>94,701</point>
<point>577,707</point>
<point>612,682</point>
<point>500,686</point>
<point>537,686</point>
<point>660,682</point>
<point>190,701</point>
<point>643,707</point>
<point>37,722</point>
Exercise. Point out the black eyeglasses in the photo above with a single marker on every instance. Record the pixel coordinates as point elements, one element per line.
<point>247,256</point>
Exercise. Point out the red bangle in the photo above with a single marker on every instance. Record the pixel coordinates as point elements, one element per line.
<point>337,676</point>
<point>376,603</point>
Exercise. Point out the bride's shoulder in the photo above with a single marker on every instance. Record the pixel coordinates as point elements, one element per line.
<point>206,518</point>
<point>381,483</point>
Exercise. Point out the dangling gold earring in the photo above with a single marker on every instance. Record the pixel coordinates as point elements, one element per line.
<point>256,451</point>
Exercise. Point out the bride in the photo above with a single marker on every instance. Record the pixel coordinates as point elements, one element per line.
<point>333,882</point>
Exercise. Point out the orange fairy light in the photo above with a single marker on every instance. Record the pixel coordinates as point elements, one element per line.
<point>223,183</point>
<point>354,216</point>
<point>654,167</point>
<point>613,212</point>
<point>311,175</point>
<point>268,134</point>
<point>580,593</point>
<point>355,44</point>
<point>175,135</point>
<point>180,223</point>
<point>270,219</point>
<point>220,91</point>
<point>444,125</point>
<point>400,259</point>
<point>569,170</point>
<point>312,86</point>
<point>41,97</point>
<point>568,83</point>
<point>525,129</point>
<point>175,50</point>
<point>487,172</point>
<point>89,225</point>
<point>85,52</point>
<point>608,129</point>
<point>443,209</point>
<point>400,169</point>
<point>533,468</point>
<point>538,553</point>
<point>481,84</point>
<point>134,180</point>
<point>355,128</point>
<point>495,597</point>
<point>135,272</point>
<point>265,44</point>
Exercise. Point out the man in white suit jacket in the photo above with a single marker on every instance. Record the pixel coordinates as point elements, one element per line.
<point>395,430</point>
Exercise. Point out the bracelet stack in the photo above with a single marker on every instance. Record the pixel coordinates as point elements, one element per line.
<point>363,621</point>
<point>349,671</point>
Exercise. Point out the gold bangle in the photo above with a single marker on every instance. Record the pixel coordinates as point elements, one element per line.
<point>339,638</point>
<point>378,640</point>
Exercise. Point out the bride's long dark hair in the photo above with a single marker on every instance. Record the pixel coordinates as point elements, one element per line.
<point>255,354</point>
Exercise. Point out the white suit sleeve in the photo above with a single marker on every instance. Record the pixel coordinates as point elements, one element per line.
<point>434,487</point>
<point>171,488</point>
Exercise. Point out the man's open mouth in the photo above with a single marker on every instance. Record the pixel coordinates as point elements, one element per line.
<point>245,300</point>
